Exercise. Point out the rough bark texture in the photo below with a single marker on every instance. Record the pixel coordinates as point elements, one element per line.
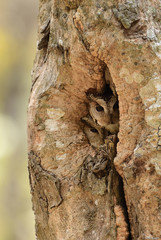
<point>90,50</point>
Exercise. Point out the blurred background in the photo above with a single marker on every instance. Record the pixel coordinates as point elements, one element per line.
<point>18,20</point>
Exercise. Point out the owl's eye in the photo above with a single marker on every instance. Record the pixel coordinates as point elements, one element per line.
<point>93,130</point>
<point>99,108</point>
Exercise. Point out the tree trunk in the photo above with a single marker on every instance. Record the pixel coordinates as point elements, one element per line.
<point>96,59</point>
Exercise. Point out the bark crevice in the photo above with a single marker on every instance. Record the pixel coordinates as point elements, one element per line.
<point>101,129</point>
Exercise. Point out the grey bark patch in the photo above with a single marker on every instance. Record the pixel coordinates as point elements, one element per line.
<point>127,13</point>
<point>45,182</point>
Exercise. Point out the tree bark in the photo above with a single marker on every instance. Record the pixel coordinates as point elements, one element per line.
<point>95,58</point>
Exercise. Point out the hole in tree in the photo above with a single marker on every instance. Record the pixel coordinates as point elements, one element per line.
<point>109,98</point>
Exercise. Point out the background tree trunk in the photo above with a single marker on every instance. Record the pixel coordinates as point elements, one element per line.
<point>90,47</point>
